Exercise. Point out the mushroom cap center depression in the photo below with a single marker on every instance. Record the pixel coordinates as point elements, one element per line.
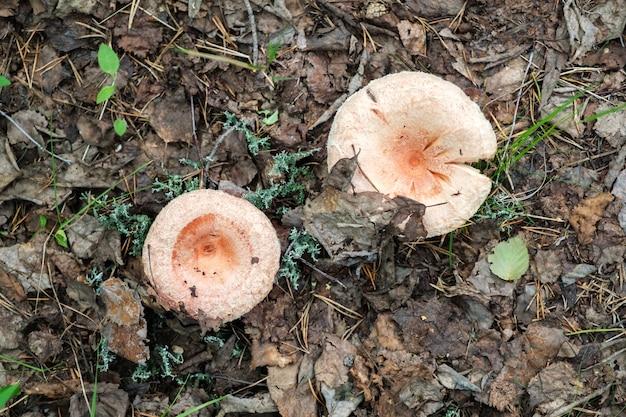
<point>421,164</point>
<point>210,247</point>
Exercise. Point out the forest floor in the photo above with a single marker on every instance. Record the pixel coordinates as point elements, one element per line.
<point>417,328</point>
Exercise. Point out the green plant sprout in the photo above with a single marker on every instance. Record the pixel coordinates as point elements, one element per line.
<point>269,119</point>
<point>272,52</point>
<point>503,209</point>
<point>109,63</point>
<point>286,167</point>
<point>4,81</point>
<point>301,243</point>
<point>8,392</point>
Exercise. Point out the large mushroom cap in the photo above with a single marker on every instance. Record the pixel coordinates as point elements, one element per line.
<point>211,255</point>
<point>414,133</point>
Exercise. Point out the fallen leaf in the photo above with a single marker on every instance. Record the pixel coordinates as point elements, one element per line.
<point>111,401</point>
<point>586,214</point>
<point>509,260</point>
<point>126,329</point>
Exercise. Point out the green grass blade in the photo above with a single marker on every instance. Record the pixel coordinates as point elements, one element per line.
<point>20,363</point>
<point>527,141</point>
<point>8,392</point>
<point>219,58</point>
<point>201,406</point>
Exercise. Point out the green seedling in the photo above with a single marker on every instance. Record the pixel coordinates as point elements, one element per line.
<point>8,392</point>
<point>109,63</point>
<point>269,119</point>
<point>509,260</point>
<point>4,81</point>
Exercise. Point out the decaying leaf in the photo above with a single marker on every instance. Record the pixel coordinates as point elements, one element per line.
<point>586,214</point>
<point>351,226</point>
<point>509,260</point>
<point>112,401</point>
<point>289,388</point>
<point>125,329</point>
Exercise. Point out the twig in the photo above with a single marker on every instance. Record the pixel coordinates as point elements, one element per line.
<point>41,147</point>
<point>194,134</point>
<point>216,145</point>
<point>255,38</point>
<point>324,274</point>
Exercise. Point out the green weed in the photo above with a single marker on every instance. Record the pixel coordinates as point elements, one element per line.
<point>4,81</point>
<point>109,63</point>
<point>8,392</point>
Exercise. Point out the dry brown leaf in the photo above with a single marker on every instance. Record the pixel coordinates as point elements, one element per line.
<point>586,214</point>
<point>126,329</point>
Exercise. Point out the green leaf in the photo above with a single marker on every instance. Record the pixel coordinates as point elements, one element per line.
<point>108,60</point>
<point>8,392</point>
<point>4,81</point>
<point>42,221</point>
<point>119,125</point>
<point>272,51</point>
<point>270,119</point>
<point>509,260</point>
<point>105,93</point>
<point>61,238</point>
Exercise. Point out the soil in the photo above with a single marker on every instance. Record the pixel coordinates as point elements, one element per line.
<point>414,327</point>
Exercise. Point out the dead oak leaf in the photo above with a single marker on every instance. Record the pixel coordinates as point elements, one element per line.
<point>586,214</point>
<point>144,37</point>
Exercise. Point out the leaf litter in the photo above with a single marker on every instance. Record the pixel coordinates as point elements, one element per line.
<point>417,327</point>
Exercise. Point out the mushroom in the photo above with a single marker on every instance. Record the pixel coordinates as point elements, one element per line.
<point>414,133</point>
<point>212,256</point>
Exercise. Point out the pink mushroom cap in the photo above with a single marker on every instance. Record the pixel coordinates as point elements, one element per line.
<point>211,255</point>
<point>414,133</point>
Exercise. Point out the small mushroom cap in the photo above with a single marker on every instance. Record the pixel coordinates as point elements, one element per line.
<point>211,255</point>
<point>414,133</point>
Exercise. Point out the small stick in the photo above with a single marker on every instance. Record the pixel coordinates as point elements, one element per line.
<point>255,39</point>
<point>41,147</point>
<point>216,145</point>
<point>324,274</point>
